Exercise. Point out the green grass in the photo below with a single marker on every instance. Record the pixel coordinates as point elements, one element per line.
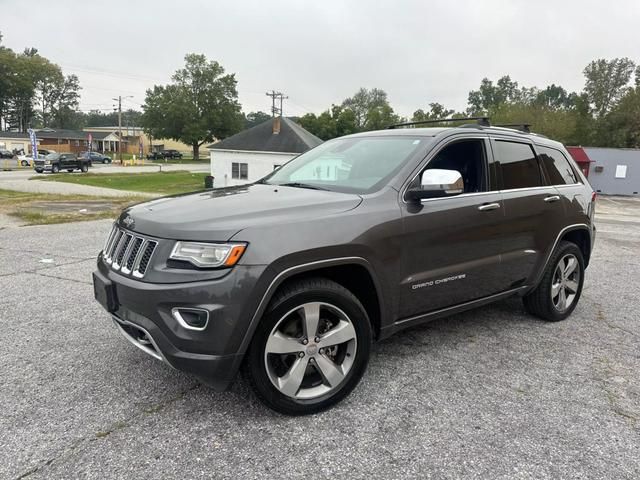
<point>165,183</point>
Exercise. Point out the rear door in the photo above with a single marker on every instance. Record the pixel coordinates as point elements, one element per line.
<point>533,211</point>
<point>452,245</point>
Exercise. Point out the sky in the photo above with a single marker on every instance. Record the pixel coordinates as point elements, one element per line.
<point>321,52</point>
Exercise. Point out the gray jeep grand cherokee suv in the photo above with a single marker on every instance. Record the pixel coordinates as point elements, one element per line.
<point>291,278</point>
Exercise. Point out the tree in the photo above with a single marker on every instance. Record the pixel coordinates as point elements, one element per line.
<point>335,122</point>
<point>436,111</point>
<point>371,109</point>
<point>606,82</point>
<point>254,118</point>
<point>200,105</point>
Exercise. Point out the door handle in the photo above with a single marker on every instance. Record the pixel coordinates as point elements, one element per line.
<point>488,206</point>
<point>552,198</point>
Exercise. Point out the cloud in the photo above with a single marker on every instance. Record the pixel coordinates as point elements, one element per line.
<point>318,53</point>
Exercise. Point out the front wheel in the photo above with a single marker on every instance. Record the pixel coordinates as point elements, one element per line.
<point>39,170</point>
<point>55,169</point>
<point>84,168</point>
<point>310,349</point>
<point>558,293</point>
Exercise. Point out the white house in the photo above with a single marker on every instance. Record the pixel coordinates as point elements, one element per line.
<point>253,153</point>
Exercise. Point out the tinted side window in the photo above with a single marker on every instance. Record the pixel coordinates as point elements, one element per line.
<point>518,164</point>
<point>557,167</point>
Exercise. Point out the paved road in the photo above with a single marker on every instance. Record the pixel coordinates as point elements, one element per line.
<point>491,393</point>
<point>19,180</point>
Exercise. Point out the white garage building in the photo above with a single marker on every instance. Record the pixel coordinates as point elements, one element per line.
<point>253,153</point>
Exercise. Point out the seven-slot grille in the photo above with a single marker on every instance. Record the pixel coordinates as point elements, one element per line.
<point>127,252</point>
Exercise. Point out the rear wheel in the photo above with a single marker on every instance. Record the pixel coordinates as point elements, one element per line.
<point>84,168</point>
<point>24,163</point>
<point>55,169</point>
<point>310,349</point>
<point>559,291</point>
<point>70,170</point>
<point>104,161</point>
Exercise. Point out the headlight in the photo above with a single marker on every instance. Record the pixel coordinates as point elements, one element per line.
<point>208,254</point>
<point>47,162</point>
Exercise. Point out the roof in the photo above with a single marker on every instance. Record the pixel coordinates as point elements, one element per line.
<point>60,133</point>
<point>13,135</point>
<point>579,155</point>
<point>260,138</point>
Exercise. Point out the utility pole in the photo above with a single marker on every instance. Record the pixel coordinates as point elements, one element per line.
<point>119,99</point>
<point>276,95</point>
<point>273,94</point>
<point>282,97</point>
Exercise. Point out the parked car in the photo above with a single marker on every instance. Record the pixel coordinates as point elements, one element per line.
<point>27,160</point>
<point>96,157</point>
<point>56,162</point>
<point>155,156</point>
<point>290,279</point>
<point>171,154</point>
<point>6,154</point>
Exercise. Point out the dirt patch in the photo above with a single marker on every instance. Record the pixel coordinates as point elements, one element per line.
<point>67,207</point>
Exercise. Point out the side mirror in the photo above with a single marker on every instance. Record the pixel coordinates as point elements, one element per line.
<point>437,183</point>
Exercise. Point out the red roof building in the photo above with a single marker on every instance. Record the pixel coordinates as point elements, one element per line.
<point>581,158</point>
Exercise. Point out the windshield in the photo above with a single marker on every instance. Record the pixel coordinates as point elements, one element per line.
<point>351,165</point>
<point>52,156</point>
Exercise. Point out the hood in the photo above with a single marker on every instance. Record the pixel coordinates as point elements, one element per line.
<point>217,215</point>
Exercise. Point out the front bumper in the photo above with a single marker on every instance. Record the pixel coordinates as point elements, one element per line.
<point>142,313</point>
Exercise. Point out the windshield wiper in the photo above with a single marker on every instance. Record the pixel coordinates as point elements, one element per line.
<point>301,185</point>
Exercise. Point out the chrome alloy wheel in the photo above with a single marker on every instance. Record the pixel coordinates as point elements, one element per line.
<point>565,282</point>
<point>310,350</point>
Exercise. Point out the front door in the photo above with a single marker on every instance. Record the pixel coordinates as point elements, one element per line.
<point>452,245</point>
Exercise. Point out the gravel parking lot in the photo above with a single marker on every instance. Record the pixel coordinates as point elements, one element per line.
<point>491,393</point>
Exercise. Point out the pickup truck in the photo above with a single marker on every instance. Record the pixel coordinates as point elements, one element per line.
<point>55,162</point>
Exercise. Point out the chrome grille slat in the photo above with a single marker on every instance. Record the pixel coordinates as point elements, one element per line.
<point>128,252</point>
<point>109,239</point>
<point>145,259</point>
<point>114,245</point>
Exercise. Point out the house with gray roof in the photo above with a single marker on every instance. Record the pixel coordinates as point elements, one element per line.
<point>251,154</point>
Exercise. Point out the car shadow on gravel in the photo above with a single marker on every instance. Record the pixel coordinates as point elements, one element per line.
<point>431,338</point>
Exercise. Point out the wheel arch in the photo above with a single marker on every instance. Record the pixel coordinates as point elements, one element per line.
<point>579,234</point>
<point>581,237</point>
<point>354,273</point>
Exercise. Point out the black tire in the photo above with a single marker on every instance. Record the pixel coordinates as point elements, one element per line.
<point>24,163</point>
<point>84,168</point>
<point>105,161</point>
<point>287,300</point>
<point>70,170</point>
<point>540,302</point>
<point>39,170</point>
<point>55,169</point>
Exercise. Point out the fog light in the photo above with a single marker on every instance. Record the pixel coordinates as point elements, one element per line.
<point>191,318</point>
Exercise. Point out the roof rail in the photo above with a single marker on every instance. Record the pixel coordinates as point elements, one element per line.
<point>523,127</point>
<point>483,121</point>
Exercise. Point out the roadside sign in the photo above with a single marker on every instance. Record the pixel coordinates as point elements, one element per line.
<point>34,143</point>
<point>90,140</point>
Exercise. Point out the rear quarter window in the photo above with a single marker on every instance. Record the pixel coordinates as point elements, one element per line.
<point>518,165</point>
<point>557,166</point>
